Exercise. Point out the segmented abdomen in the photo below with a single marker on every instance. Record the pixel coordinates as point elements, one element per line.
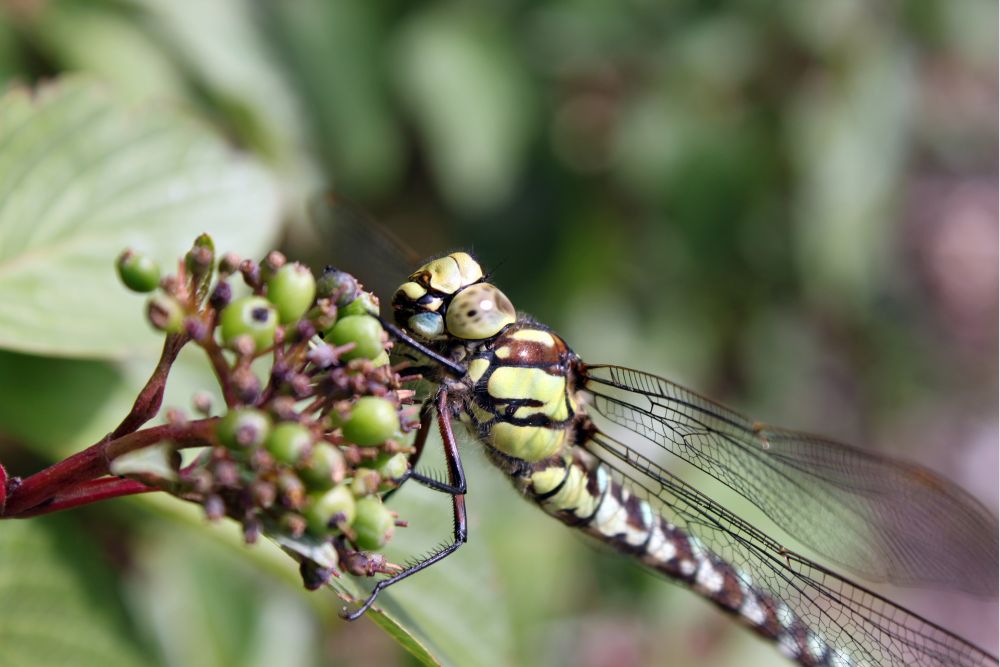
<point>580,492</point>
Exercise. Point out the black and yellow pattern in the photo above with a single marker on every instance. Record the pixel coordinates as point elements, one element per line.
<point>525,395</point>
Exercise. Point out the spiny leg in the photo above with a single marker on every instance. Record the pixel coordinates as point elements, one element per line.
<point>426,414</point>
<point>456,482</point>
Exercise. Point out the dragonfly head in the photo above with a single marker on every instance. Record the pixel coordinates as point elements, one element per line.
<point>449,297</point>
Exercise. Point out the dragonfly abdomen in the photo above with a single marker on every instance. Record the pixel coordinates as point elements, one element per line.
<point>579,491</point>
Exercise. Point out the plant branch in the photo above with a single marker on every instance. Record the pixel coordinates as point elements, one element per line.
<point>148,402</point>
<point>92,491</point>
<point>95,461</point>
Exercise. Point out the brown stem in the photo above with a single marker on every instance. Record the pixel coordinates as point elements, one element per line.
<point>95,461</point>
<point>103,488</point>
<point>148,402</point>
<point>221,368</point>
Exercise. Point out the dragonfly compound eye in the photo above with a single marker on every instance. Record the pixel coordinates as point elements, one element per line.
<point>479,311</point>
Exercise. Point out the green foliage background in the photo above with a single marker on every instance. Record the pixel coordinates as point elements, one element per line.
<point>791,206</point>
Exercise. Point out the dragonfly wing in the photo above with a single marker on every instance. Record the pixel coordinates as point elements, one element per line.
<point>862,627</point>
<point>884,519</point>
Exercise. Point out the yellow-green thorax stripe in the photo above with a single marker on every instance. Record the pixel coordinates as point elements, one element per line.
<point>522,402</point>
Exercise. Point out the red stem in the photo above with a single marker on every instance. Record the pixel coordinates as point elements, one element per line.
<point>88,492</point>
<point>95,461</point>
<point>148,402</point>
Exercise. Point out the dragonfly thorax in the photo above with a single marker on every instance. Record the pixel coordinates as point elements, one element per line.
<point>449,298</point>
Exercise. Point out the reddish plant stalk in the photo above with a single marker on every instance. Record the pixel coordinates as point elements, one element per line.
<point>62,478</point>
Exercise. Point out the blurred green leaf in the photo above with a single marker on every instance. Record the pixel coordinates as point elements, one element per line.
<point>223,47</point>
<point>849,140</point>
<point>96,38</point>
<point>335,51</point>
<point>473,102</point>
<point>58,600</point>
<point>81,178</point>
<point>34,389</point>
<point>89,398</point>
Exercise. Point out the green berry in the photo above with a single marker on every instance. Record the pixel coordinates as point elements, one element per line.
<point>373,523</point>
<point>288,442</point>
<point>323,467</point>
<point>366,303</point>
<point>381,360</point>
<point>252,316</point>
<point>373,420</point>
<point>165,313</point>
<point>362,330</point>
<point>291,289</point>
<point>138,271</point>
<point>243,428</point>
<point>325,510</point>
<point>392,467</point>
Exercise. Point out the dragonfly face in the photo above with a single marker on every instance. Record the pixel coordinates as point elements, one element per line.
<point>447,298</point>
<point>526,396</point>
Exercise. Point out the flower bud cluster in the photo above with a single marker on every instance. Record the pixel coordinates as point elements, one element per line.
<point>310,437</point>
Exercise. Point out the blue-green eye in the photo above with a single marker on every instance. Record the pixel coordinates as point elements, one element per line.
<point>426,325</point>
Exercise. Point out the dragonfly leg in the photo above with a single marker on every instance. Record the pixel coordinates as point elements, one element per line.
<point>426,413</point>
<point>456,480</point>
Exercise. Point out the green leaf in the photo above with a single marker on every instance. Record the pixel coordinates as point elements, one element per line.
<point>473,103</point>
<point>57,600</point>
<point>81,177</point>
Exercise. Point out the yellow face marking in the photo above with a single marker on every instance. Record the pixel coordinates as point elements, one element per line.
<point>502,352</point>
<point>467,267</point>
<point>535,336</point>
<point>412,290</point>
<point>450,273</point>
<point>476,369</point>
<point>442,274</point>
<point>528,443</point>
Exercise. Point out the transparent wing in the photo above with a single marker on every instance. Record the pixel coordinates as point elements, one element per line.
<point>863,627</point>
<point>885,520</point>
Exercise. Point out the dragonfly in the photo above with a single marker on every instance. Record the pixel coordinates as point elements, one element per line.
<point>535,406</point>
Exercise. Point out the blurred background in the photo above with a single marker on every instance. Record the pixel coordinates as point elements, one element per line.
<point>791,207</point>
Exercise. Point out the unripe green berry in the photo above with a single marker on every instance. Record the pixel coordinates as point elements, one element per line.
<point>362,330</point>
<point>291,289</point>
<point>381,360</point>
<point>288,441</point>
<point>392,467</point>
<point>323,467</point>
<point>373,523</point>
<point>138,271</point>
<point>373,420</point>
<point>243,428</point>
<point>251,316</point>
<point>325,510</point>
<point>366,303</point>
<point>165,313</point>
